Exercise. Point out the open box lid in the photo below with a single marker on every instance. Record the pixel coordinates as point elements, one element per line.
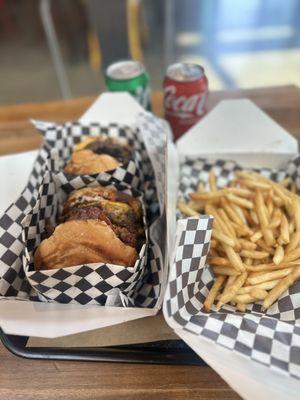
<point>228,132</point>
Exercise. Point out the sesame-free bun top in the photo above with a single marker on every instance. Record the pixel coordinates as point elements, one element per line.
<point>97,154</point>
<point>79,242</point>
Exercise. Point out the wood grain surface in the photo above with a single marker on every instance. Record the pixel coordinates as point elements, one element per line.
<point>28,379</point>
<point>17,134</point>
<point>64,380</point>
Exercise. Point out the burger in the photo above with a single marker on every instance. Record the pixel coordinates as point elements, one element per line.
<point>97,154</point>
<point>97,225</point>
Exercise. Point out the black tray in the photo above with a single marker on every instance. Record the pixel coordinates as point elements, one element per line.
<point>164,352</point>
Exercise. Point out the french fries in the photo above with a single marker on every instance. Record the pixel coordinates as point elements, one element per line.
<point>213,292</point>
<point>255,246</point>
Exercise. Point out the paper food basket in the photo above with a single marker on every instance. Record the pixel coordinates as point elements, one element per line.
<point>218,136</point>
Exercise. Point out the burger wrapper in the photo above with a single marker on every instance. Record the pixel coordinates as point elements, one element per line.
<point>84,284</point>
<point>60,140</point>
<point>141,286</point>
<point>272,337</point>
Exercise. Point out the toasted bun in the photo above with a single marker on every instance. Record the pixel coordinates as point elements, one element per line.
<point>85,162</point>
<point>83,242</point>
<point>98,154</point>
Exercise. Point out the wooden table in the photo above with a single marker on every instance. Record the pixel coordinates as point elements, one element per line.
<point>27,379</point>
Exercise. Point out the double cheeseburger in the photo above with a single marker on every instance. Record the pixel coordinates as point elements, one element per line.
<point>97,225</point>
<point>97,154</point>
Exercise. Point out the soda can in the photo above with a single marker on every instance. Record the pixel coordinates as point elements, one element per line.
<point>129,76</point>
<point>185,96</point>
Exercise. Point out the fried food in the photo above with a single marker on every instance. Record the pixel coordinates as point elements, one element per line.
<point>256,236</point>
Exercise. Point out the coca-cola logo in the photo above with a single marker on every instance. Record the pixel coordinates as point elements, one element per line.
<point>186,106</point>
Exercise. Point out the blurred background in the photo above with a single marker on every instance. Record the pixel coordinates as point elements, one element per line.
<point>53,49</point>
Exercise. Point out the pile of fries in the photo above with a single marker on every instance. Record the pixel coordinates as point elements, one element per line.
<point>255,246</point>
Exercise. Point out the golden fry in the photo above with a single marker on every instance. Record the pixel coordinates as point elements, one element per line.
<point>257,255</point>
<point>219,223</point>
<point>221,237</point>
<point>276,219</point>
<point>254,217</point>
<point>185,209</point>
<point>285,182</point>
<point>244,298</point>
<point>261,209</point>
<point>296,212</point>
<point>258,293</point>
<point>240,213</point>
<point>227,221</point>
<point>255,184</point>
<point>239,201</point>
<point>213,244</point>
<point>271,266</point>
<point>291,227</point>
<point>268,276</point>
<point>247,245</point>
<point>228,283</point>
<point>208,195</point>
<point>212,181</point>
<point>201,188</point>
<point>284,230</point>
<point>278,201</point>
<point>231,212</point>
<point>241,307</point>
<point>234,258</point>
<point>280,288</point>
<point>225,271</point>
<point>294,242</point>
<point>263,218</point>
<point>264,247</point>
<point>232,290</point>
<point>213,293</point>
<point>264,285</point>
<point>240,192</point>
<point>292,255</point>
<point>269,236</point>
<point>196,205</point>
<point>219,261</point>
<point>278,255</point>
<point>281,194</point>
<point>256,236</point>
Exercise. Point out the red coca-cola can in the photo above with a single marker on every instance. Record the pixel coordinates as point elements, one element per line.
<point>185,95</point>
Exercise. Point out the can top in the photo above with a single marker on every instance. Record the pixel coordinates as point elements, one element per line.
<point>126,69</point>
<point>185,72</point>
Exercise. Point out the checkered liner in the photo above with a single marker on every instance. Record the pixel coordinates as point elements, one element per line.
<point>61,138</point>
<point>156,141</point>
<point>13,282</point>
<point>271,338</point>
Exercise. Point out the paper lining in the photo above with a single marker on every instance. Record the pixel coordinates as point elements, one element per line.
<point>271,338</point>
<point>13,282</point>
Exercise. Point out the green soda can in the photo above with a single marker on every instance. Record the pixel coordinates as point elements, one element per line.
<point>129,76</point>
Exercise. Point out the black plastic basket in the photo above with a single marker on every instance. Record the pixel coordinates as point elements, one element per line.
<point>163,352</point>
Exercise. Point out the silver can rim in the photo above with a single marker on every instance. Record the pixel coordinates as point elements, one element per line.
<point>113,70</point>
<point>175,67</point>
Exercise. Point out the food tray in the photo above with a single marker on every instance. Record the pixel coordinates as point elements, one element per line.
<point>163,352</point>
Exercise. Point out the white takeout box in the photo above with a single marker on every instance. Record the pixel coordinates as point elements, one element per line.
<point>218,135</point>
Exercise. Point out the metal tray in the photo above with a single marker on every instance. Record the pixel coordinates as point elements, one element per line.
<point>164,352</point>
